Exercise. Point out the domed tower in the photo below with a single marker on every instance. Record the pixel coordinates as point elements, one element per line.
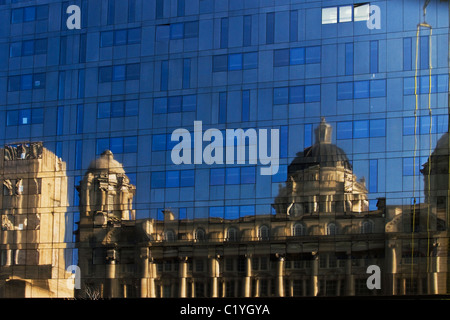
<point>320,179</point>
<point>106,222</point>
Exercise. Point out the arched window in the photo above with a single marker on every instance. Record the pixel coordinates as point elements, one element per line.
<point>169,235</point>
<point>200,234</point>
<point>331,229</point>
<point>298,230</point>
<point>367,227</point>
<point>264,232</point>
<point>231,234</point>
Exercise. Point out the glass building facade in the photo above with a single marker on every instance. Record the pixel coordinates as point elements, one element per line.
<point>353,98</point>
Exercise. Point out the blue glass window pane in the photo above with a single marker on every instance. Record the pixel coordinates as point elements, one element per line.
<point>281,175</point>
<point>232,175</point>
<point>378,88</point>
<point>14,83</point>
<point>231,212</point>
<point>349,58</point>
<point>409,168</point>
<point>442,125</point>
<point>374,56</point>
<point>308,135</point>
<point>164,75</point>
<point>105,74</point>
<point>25,116</point>
<point>60,121</point>
<point>270,27</point>
<point>117,108</point>
<point>220,63</point>
<point>177,31</point>
<point>182,213</point>
<point>378,128</point>
<point>361,89</point>
<point>134,36</point>
<point>408,126</point>
<point>187,178</point>
<point>222,107</point>
<point>250,60</point>
<point>17,15</point>
<point>159,9</point>
<point>248,175</point>
<point>159,142</point>
<point>344,130</point>
<point>313,54</point>
<point>361,129</point>
<point>26,82</point>
<point>216,212</point>
<point>312,93</point>
<point>425,84</point>
<point>158,179</point>
<point>116,145</point>
<point>37,116</point>
<point>425,122</point>
<point>29,14</point>
<point>133,71</point>
<point>40,46</point>
<point>224,32</point>
<point>39,80</point>
<point>12,118</point>
<point>42,12</point>
<point>408,85</point>
<point>217,177</point>
<point>373,176</point>
<point>181,4</point>
<point>15,49</point>
<point>245,211</point>
<point>119,73</point>
<point>442,83</point>
<point>191,29</point>
<point>281,95</point>
<point>102,145</point>
<point>297,56</point>
<point>28,48</point>
<point>172,179</point>
<point>345,90</point>
<point>130,144</point>
<point>120,37</point>
<point>186,73</point>
<point>162,33</point>
<point>424,52</point>
<point>284,135</point>
<point>131,108</point>
<point>293,26</point>
<point>247,38</point>
<point>281,57</point>
<point>160,105</point>
<point>297,94</point>
<point>190,102</point>
<point>407,54</point>
<point>174,104</point>
<point>245,105</point>
<point>235,61</point>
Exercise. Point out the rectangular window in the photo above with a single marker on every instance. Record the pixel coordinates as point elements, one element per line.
<point>424,42</point>
<point>293,26</point>
<point>180,8</point>
<point>345,90</point>
<point>134,36</point>
<point>61,85</point>
<point>270,28</point>
<point>78,154</point>
<point>158,179</point>
<point>172,179</point>
<point>15,49</point>
<point>117,108</point>
<point>60,121</point>
<point>220,63</point>
<point>189,102</point>
<point>28,48</point>
<point>111,12</point>
<point>159,142</point>
<point>308,131</point>
<point>235,61</point>
<point>281,57</point>
<point>361,89</point>
<point>232,176</point>
<point>224,33</point>
<point>177,31</point>
<point>174,104</point>
<point>247,37</point>
<point>217,177</point>
<point>133,71</point>
<point>81,82</point>
<point>116,145</point>
<point>105,74</point>
<point>79,119</point>
<point>119,73</point>
<point>191,29</point>
<point>164,75</point>
<point>407,54</point>
<point>297,94</point>
<point>246,105</point>
<point>345,13</point>
<point>344,130</point>
<point>131,11</point>
<point>361,12</point>
<point>82,50</point>
<point>159,9</point>
<point>329,15</point>
<point>130,144</point>
<point>37,116</point>
<point>378,128</point>
<point>312,93</point>
<point>374,56</point>
<point>281,95</point>
<point>62,50</point>
<point>250,60</point>
<point>284,136</point>
<point>361,129</point>
<point>408,126</point>
<point>222,107</point>
<point>348,59</point>
<point>187,178</point>
<point>297,56</point>
<point>12,118</point>
<point>131,108</point>
<point>313,54</point>
<point>248,175</point>
<point>377,88</point>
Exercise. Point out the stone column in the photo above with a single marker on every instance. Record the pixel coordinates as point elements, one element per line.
<point>315,274</point>
<point>279,279</point>
<point>111,290</point>
<point>349,283</point>
<point>248,277</point>
<point>256,293</point>
<point>151,279</point>
<point>182,270</point>
<point>144,272</point>
<point>214,261</point>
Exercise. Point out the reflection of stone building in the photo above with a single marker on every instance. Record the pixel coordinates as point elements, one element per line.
<point>32,235</point>
<point>320,241</point>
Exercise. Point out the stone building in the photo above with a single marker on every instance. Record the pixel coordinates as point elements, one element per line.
<point>33,215</point>
<point>319,242</point>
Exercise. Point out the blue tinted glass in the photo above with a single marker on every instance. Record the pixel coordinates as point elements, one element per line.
<point>60,121</point>
<point>308,135</point>
<point>270,27</point>
<point>378,128</point>
<point>159,9</point>
<point>345,90</point>
<point>177,31</point>
<point>235,61</point>
<point>216,212</point>
<point>118,73</point>
<point>174,104</point>
<point>361,89</point>
<point>120,37</point>
<point>15,49</point>
<point>281,175</point>
<point>131,107</point>
<point>182,213</point>
<point>187,178</point>
<point>427,123</point>
<point>442,83</point>
<point>164,75</point>
<point>29,14</point>
<point>130,144</point>
<point>407,54</point>
<point>349,58</point>
<point>190,102</point>
<point>191,29</point>
<point>424,84</point>
<point>297,94</point>
<point>361,129</point>
<point>442,125</point>
<point>180,7</point>
<point>312,93</point>
<point>281,57</point>
<point>158,179</point>
<point>42,12</point>
<point>281,95</point>
<point>297,56</point>
<point>28,48</point>
<point>247,211</point>
<point>80,118</point>
<point>247,38</point>
<point>17,15</point>
<point>25,116</point>
<point>102,145</point>
<point>284,135</point>
<point>245,105</point>
<point>222,107</point>
<point>232,175</point>
<point>78,154</point>
<point>14,83</point>
<point>172,179</point>
<point>116,145</point>
<point>186,73</point>
<point>26,82</point>
<point>217,177</point>
<point>408,126</point>
<point>313,54</point>
<point>373,176</point>
<point>344,130</point>
<point>224,32</point>
<point>117,108</point>
<point>105,74</point>
<point>409,168</point>
<point>293,26</point>
<point>248,175</point>
<point>424,52</point>
<point>220,63</point>
<point>374,56</point>
<point>231,212</point>
<point>377,88</point>
<point>408,85</point>
<point>159,142</point>
<point>160,105</point>
<point>12,118</point>
<point>250,60</point>
<point>134,36</point>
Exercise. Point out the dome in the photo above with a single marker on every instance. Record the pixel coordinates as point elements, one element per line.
<point>106,162</point>
<point>322,153</point>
